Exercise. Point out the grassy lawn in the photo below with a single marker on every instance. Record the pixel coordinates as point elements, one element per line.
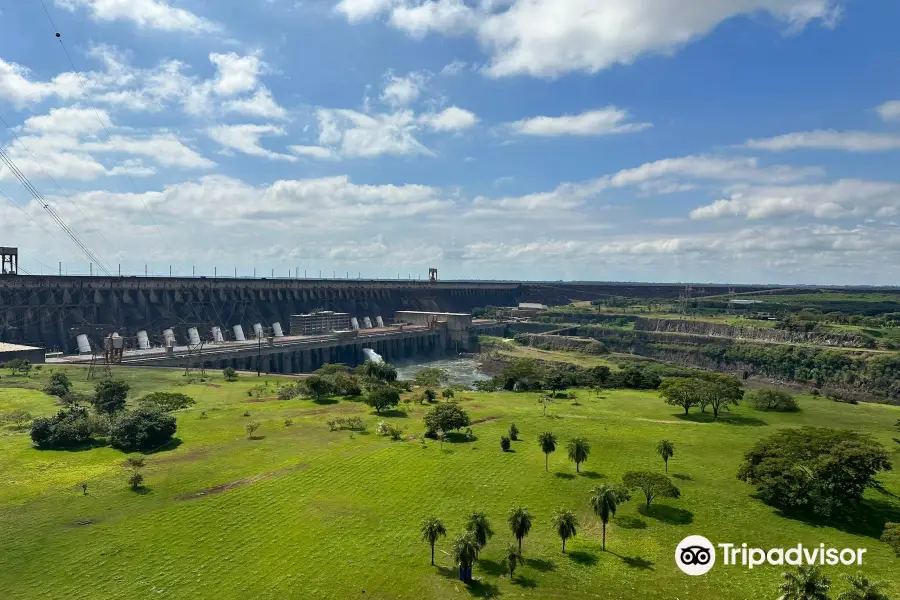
<point>302,512</point>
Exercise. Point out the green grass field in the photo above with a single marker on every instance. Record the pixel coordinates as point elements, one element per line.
<point>303,512</point>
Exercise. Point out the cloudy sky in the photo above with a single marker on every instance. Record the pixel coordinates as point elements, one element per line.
<point>699,140</point>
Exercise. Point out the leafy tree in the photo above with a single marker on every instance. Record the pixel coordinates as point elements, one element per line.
<point>505,444</point>
<point>18,365</point>
<point>431,377</point>
<point>512,558</point>
<point>465,552</point>
<point>167,401</point>
<point>135,479</point>
<point>720,391</point>
<point>773,399</point>
<point>807,583</point>
<point>599,376</point>
<point>17,417</point>
<point>565,523</point>
<point>547,442</point>
<point>862,589</point>
<point>332,369</point>
<point>58,384</point>
<point>75,399</point>
<point>447,393</point>
<point>478,525</point>
<point>432,528</point>
<point>523,374</point>
<point>251,428</point>
<point>513,432</point>
<point>818,470</point>
<point>317,387</point>
<point>230,374</point>
<point>144,428</point>
<point>891,536</point>
<point>429,395</point>
<point>446,417</point>
<point>653,485</point>
<point>382,397</point>
<point>66,429</point>
<point>519,523</point>
<point>376,373</point>
<point>545,401</point>
<point>578,450</point>
<point>666,449</point>
<point>605,500</point>
<point>680,391</point>
<point>555,381</point>
<point>110,395</point>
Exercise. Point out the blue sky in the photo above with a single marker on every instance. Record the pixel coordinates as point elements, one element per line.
<point>703,140</point>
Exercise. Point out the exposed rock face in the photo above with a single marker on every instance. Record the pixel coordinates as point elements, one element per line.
<point>765,334</point>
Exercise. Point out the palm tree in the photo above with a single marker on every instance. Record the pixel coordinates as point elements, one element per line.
<point>579,449</point>
<point>513,559</point>
<point>604,501</point>
<point>807,583</point>
<point>862,589</point>
<point>479,526</point>
<point>519,523</point>
<point>548,444</point>
<point>565,523</point>
<point>465,551</point>
<point>432,528</point>
<point>666,449</point>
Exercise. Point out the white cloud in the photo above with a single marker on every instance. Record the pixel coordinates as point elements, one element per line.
<point>850,141</point>
<point>454,68</point>
<point>355,134</point>
<point>17,86</point>
<point>403,91</point>
<point>245,138</point>
<point>70,120</point>
<point>154,14</point>
<point>166,149</point>
<point>606,121</point>
<point>825,201</point>
<point>713,168</point>
<point>261,104</point>
<point>234,73</point>
<point>547,38</point>
<point>312,152</point>
<point>889,111</point>
<point>449,120</point>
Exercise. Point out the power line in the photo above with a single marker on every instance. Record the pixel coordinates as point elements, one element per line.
<point>35,221</point>
<point>11,165</point>
<point>102,124</point>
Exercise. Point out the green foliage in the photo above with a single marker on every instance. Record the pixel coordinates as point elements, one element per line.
<point>332,369</point>
<point>67,429</point>
<point>431,377</point>
<point>680,391</point>
<point>317,387</point>
<point>167,401</point>
<point>862,589</point>
<point>446,417</point>
<point>891,537</point>
<point>251,428</point>
<point>817,470</point>
<point>773,399</point>
<point>58,384</point>
<point>377,373</point>
<point>806,583</point>
<point>389,430</point>
<point>479,526</point>
<point>76,399</point>
<point>288,422</point>
<point>429,396</point>
<point>382,397</point>
<point>604,500</point>
<point>578,451</point>
<point>447,393</point>
<point>18,366</point>
<point>547,442</point>
<point>512,558</point>
<point>513,432</point>
<point>342,423</point>
<point>145,428</point>
<point>432,529</point>
<point>519,520</point>
<point>522,374</point>
<point>465,552</point>
<point>666,450</point>
<point>653,485</point>
<point>110,395</point>
<point>505,444</point>
<point>719,391</point>
<point>565,523</point>
<point>17,417</point>
<point>135,478</point>
<point>230,374</point>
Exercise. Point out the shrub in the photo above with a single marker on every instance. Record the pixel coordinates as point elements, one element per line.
<point>16,417</point>
<point>891,536</point>
<point>18,365</point>
<point>429,395</point>
<point>447,393</point>
<point>342,423</point>
<point>815,393</point>
<point>66,429</point>
<point>246,413</point>
<point>288,422</point>
<point>167,401</point>
<point>839,397</point>
<point>513,432</point>
<point>488,385</point>
<point>110,395</point>
<point>251,428</point>
<point>144,428</point>
<point>817,470</point>
<point>470,435</point>
<point>389,429</point>
<point>773,399</point>
<point>445,417</point>
<point>345,384</point>
<point>505,444</point>
<point>230,374</point>
<point>58,385</point>
<point>75,399</point>
<point>289,392</point>
<point>317,387</point>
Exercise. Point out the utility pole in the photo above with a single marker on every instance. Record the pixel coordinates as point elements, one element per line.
<point>193,271</point>
<point>170,271</point>
<point>145,270</point>
<point>259,354</point>
<point>60,268</point>
<point>91,269</point>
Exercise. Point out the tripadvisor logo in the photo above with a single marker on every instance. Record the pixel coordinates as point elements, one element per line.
<point>696,555</point>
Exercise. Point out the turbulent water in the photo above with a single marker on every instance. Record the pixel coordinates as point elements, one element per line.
<point>372,355</point>
<point>461,370</point>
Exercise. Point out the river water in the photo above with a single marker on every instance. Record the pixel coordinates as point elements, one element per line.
<point>461,370</point>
